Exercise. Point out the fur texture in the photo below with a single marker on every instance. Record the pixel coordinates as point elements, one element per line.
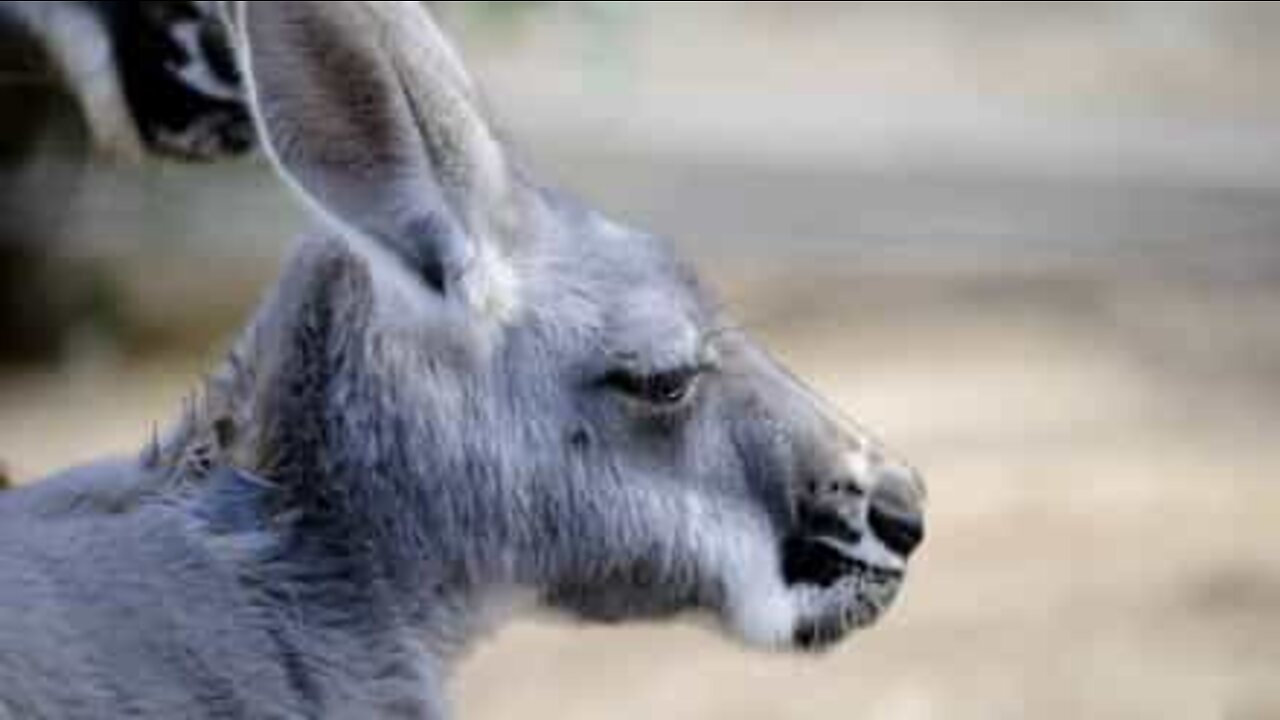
<point>389,455</point>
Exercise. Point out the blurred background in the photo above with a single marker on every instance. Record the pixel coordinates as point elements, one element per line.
<point>1036,245</point>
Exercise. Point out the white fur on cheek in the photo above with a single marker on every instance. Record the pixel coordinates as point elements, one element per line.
<point>763,610</point>
<point>741,549</point>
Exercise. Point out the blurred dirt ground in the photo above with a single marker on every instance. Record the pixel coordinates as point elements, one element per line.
<point>1101,459</point>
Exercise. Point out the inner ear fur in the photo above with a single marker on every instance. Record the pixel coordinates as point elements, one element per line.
<point>366,111</point>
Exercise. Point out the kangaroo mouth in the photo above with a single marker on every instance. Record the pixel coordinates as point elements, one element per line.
<point>837,612</point>
<point>839,589</point>
<point>824,561</point>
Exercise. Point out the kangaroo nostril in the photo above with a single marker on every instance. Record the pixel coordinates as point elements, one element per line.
<point>900,532</point>
<point>894,513</point>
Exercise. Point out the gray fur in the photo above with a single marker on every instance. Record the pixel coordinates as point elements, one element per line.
<point>427,424</point>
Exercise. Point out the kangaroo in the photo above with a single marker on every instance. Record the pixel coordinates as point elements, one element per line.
<point>468,395</point>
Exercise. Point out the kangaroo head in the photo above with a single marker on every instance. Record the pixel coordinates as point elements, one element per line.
<point>519,393</point>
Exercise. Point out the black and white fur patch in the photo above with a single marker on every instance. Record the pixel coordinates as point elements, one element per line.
<point>156,73</point>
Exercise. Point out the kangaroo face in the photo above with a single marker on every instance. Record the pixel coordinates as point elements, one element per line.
<point>792,526</point>
<point>567,410</point>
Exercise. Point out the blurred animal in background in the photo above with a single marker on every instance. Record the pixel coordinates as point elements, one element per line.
<point>468,394</point>
<point>154,76</point>
<point>123,80</point>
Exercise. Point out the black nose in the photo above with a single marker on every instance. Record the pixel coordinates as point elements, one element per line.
<point>895,516</point>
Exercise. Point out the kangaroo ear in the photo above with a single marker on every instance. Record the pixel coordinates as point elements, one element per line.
<point>366,110</point>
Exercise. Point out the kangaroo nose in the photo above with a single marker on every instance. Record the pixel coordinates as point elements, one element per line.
<point>895,511</point>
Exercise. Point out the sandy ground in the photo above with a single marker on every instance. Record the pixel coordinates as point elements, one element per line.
<point>1101,459</point>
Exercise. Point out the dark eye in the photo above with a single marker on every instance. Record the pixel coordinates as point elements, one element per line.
<point>662,389</point>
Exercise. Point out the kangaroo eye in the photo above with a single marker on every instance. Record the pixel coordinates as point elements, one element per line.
<point>661,389</point>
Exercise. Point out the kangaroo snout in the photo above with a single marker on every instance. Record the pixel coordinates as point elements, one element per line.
<point>895,511</point>
<point>867,512</point>
<point>850,537</point>
<point>890,499</point>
